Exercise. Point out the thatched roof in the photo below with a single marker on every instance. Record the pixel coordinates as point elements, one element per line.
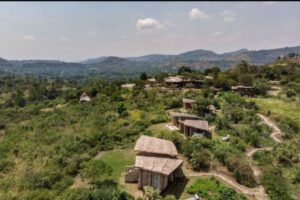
<point>174,79</point>
<point>188,101</point>
<point>84,97</point>
<point>152,80</point>
<point>198,124</point>
<point>241,87</point>
<point>155,145</point>
<point>128,85</point>
<point>177,114</point>
<point>157,164</point>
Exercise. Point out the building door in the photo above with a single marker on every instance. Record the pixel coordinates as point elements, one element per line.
<point>155,181</point>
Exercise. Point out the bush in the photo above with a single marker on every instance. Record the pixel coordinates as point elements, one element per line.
<point>296,178</point>
<point>174,136</point>
<point>200,160</point>
<point>6,165</point>
<point>274,184</point>
<point>44,179</point>
<point>290,93</point>
<point>244,175</point>
<point>226,193</point>
<point>263,158</point>
<point>151,193</point>
<point>95,170</point>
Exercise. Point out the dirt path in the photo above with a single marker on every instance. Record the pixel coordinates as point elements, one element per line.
<point>254,150</point>
<point>256,169</point>
<point>225,177</point>
<point>276,133</point>
<point>257,192</point>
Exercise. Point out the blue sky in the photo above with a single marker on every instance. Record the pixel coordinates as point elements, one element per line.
<point>74,31</point>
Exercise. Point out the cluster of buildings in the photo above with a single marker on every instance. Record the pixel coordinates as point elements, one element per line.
<point>156,162</point>
<point>179,82</point>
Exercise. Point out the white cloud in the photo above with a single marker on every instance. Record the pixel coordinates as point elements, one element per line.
<point>123,36</point>
<point>217,33</point>
<point>195,13</point>
<point>28,37</point>
<point>149,24</point>
<point>267,3</point>
<point>228,15</point>
<point>65,39</point>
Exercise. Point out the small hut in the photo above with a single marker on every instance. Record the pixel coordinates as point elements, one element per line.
<point>128,86</point>
<point>174,81</point>
<point>176,117</point>
<point>188,103</point>
<point>195,128</point>
<point>155,165</point>
<point>190,125</point>
<point>84,98</point>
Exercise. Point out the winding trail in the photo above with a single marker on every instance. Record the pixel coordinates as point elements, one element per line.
<point>259,191</point>
<point>276,133</point>
<point>254,150</point>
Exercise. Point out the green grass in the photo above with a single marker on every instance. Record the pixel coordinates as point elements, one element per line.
<point>118,160</point>
<point>204,187</point>
<point>280,107</point>
<point>159,127</point>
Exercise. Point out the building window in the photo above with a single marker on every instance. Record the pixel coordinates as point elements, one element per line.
<point>155,181</point>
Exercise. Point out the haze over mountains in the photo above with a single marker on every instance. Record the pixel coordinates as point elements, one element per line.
<point>116,67</point>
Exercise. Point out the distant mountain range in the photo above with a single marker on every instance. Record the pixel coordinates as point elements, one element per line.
<point>116,67</point>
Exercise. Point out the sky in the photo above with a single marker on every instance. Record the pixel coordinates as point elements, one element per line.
<point>75,31</point>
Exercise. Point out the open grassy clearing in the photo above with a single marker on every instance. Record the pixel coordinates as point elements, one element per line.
<point>280,107</point>
<point>118,160</point>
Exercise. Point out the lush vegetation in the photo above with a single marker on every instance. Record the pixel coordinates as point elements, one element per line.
<point>48,139</point>
<point>213,189</point>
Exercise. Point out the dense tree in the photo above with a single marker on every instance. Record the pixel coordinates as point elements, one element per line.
<point>184,69</point>
<point>200,160</point>
<point>144,76</point>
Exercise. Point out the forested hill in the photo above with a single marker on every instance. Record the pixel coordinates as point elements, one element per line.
<point>120,68</point>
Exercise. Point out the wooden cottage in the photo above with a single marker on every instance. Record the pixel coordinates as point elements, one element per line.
<point>195,128</point>
<point>174,81</point>
<point>244,90</point>
<point>179,82</point>
<point>188,103</point>
<point>155,165</point>
<point>84,98</point>
<point>190,125</point>
<point>176,117</point>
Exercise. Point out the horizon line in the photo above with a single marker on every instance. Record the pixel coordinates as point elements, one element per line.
<point>126,57</point>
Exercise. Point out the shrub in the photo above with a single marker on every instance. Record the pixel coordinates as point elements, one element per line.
<point>290,93</point>
<point>6,165</point>
<point>274,184</point>
<point>244,175</point>
<point>200,160</point>
<point>226,193</point>
<point>95,170</point>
